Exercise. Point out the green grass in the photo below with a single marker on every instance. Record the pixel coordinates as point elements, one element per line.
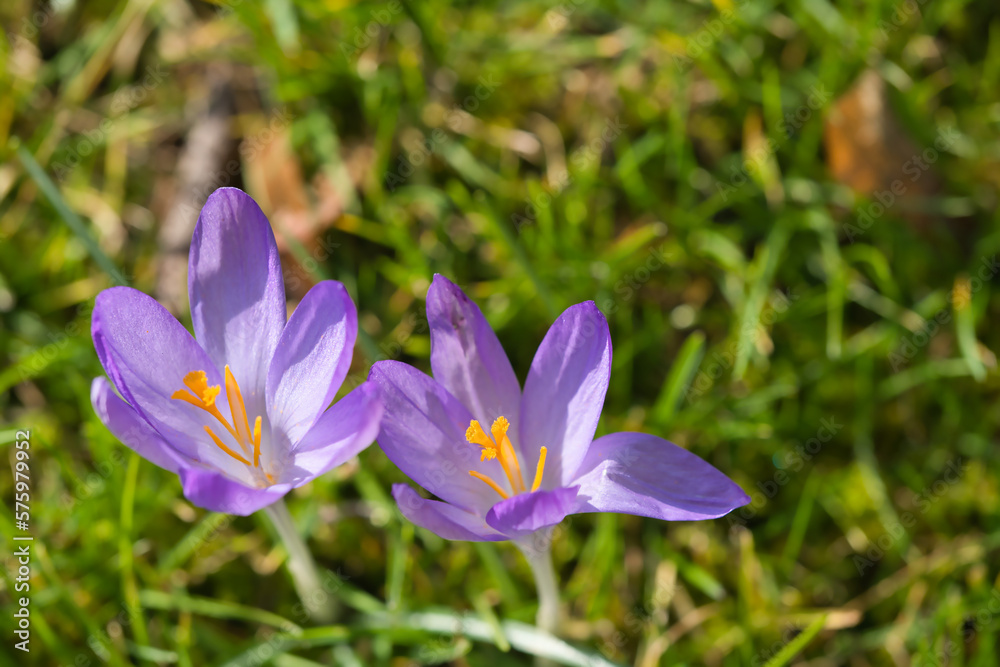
<point>748,326</point>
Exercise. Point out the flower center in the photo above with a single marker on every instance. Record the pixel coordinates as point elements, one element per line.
<point>203,396</point>
<point>499,448</point>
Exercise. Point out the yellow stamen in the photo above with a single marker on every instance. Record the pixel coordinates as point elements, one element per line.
<point>540,469</point>
<point>508,457</point>
<point>185,395</point>
<point>224,447</point>
<point>236,407</point>
<point>493,485</point>
<point>203,396</point>
<point>475,435</point>
<point>498,448</point>
<point>499,428</point>
<point>197,381</point>
<point>501,448</point>
<point>256,442</point>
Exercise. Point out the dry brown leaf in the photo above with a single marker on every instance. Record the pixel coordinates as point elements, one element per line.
<point>869,151</point>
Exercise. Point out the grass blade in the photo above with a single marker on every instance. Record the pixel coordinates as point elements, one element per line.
<point>784,656</point>
<point>72,220</point>
<point>681,373</point>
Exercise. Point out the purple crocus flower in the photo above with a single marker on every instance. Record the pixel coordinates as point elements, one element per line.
<point>507,463</point>
<point>239,411</point>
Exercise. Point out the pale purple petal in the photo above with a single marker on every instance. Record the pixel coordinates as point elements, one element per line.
<point>564,392</point>
<point>340,434</point>
<point>442,519</point>
<point>218,493</point>
<point>522,515</point>
<point>637,473</point>
<point>423,433</point>
<point>147,353</point>
<point>311,360</point>
<point>466,357</point>
<point>236,290</point>
<point>131,429</point>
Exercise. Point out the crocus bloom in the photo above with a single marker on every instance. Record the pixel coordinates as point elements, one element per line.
<point>239,411</point>
<point>505,462</point>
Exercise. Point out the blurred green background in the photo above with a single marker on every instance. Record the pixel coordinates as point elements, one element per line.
<point>786,209</point>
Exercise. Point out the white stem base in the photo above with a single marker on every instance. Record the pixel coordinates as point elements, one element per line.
<point>317,602</point>
<point>538,553</point>
<point>539,557</point>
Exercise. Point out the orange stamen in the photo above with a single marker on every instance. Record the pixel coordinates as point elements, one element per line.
<point>202,395</point>
<point>508,457</point>
<point>476,436</point>
<point>501,448</point>
<point>256,442</point>
<point>225,447</point>
<point>540,469</point>
<point>236,407</point>
<point>493,485</point>
<point>498,448</point>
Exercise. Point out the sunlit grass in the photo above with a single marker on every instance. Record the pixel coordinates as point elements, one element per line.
<point>539,155</point>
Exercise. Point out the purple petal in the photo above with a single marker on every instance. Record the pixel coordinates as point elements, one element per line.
<point>236,290</point>
<point>442,519</point>
<point>147,353</point>
<point>423,433</point>
<point>218,493</point>
<point>521,515</point>
<point>637,473</point>
<point>341,433</point>
<point>131,429</point>
<point>466,357</point>
<point>312,358</point>
<point>564,392</point>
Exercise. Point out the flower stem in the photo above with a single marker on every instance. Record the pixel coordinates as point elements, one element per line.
<point>318,603</point>
<point>539,557</point>
<point>538,553</point>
